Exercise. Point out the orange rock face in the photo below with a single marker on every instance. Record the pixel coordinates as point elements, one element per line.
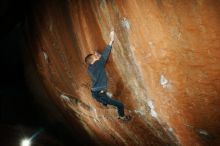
<point>164,66</point>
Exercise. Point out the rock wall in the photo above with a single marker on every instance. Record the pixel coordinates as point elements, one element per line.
<point>164,66</point>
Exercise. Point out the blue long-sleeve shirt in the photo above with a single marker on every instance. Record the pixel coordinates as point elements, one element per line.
<point>97,71</point>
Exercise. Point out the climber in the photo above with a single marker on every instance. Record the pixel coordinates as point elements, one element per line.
<point>96,69</point>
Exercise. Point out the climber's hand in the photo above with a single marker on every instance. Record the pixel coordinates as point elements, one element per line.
<point>112,37</point>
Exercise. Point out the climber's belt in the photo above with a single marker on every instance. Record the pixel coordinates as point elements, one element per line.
<point>100,91</point>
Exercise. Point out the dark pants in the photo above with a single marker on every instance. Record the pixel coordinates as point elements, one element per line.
<point>105,100</point>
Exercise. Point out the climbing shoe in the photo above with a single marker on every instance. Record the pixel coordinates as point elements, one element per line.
<point>125,118</point>
<point>104,104</point>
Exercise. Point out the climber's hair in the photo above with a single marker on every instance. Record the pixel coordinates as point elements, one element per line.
<point>89,59</point>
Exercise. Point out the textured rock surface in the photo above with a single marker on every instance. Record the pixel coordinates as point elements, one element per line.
<point>164,66</point>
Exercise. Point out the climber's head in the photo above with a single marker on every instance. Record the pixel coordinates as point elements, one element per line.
<point>92,58</point>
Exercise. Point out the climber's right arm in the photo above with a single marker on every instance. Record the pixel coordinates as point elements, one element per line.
<point>107,50</point>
